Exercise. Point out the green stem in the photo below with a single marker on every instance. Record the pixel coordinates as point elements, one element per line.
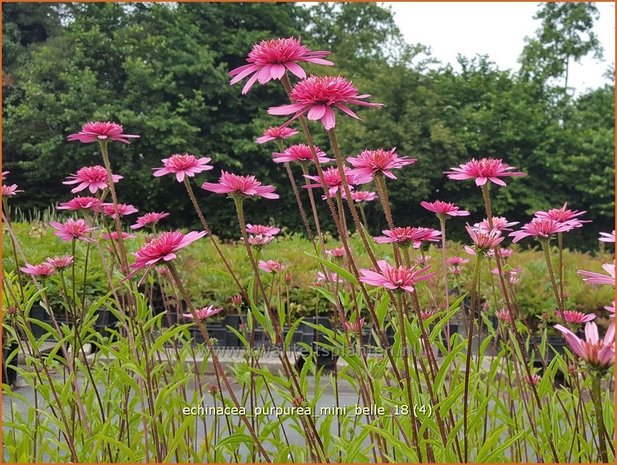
<point>472,314</point>
<point>551,274</point>
<point>596,395</point>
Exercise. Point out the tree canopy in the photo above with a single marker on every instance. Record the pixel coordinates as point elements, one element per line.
<point>161,71</point>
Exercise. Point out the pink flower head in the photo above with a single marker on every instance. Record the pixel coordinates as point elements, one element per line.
<point>122,209</point>
<point>262,229</point>
<point>541,228</point>
<point>332,179</point>
<point>237,299</point>
<point>456,261</point>
<point>509,273</point>
<point>444,209</point>
<point>276,133</point>
<point>270,59</point>
<point>398,279</point>
<point>356,326</point>
<point>183,165</point>
<point>114,236</point>
<point>329,277</point>
<point>563,215</point>
<point>80,203</point>
<point>240,186</point>
<point>10,191</point>
<point>338,253</point>
<point>271,266</point>
<point>483,171</point>
<point>533,380</point>
<point>363,196</point>
<point>598,278</point>
<point>101,131</point>
<point>260,240</point>
<point>42,269</point>
<point>149,219</point>
<point>60,263</point>
<point>499,223</point>
<point>607,237</point>
<point>204,313</point>
<point>300,153</point>
<point>576,317</point>
<point>426,314</point>
<point>484,240</point>
<point>407,235</point>
<point>164,247</point>
<point>422,260</point>
<point>504,315</point>
<point>598,353</point>
<point>372,162</point>
<point>92,178</point>
<point>72,230</point>
<point>317,96</point>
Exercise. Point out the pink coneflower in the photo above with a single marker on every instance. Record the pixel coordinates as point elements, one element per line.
<point>183,164</point>
<point>60,263</point>
<point>72,230</point>
<point>456,261</point>
<point>328,277</point>
<point>332,179</point>
<point>484,240</point>
<point>598,278</point>
<point>204,313</point>
<point>426,314</point>
<point>271,266</point>
<point>114,236</point>
<point>541,228</point>
<point>422,260</point>
<point>338,253</point>
<point>533,380</point>
<point>236,299</point>
<point>511,274</point>
<point>355,327</point>
<point>276,133</point>
<point>575,317</point>
<point>444,209</point>
<point>122,209</point>
<point>611,309</point>
<point>374,162</point>
<point>483,171</point>
<point>504,315</point>
<point>598,353</point>
<point>240,186</point>
<point>505,253</point>
<point>398,279</point>
<point>317,96</point>
<point>149,219</point>
<point>607,237</point>
<point>363,196</point>
<point>262,229</point>
<point>259,240</point>
<point>80,203</point>
<point>300,153</point>
<point>92,178</point>
<point>270,59</point>
<point>42,269</point>
<point>563,215</point>
<point>499,223</point>
<point>164,247</point>
<point>407,235</point>
<point>101,131</point>
<point>10,191</point>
